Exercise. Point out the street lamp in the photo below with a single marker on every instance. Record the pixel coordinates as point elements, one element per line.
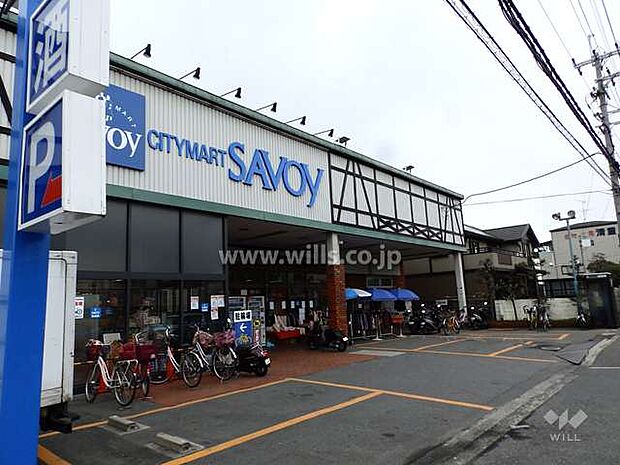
<point>570,215</point>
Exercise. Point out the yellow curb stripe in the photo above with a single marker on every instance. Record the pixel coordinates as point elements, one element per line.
<point>472,354</point>
<point>49,458</point>
<point>171,407</point>
<point>406,395</point>
<point>503,351</point>
<point>270,429</point>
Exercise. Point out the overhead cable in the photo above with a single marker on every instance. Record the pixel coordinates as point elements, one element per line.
<point>538,197</point>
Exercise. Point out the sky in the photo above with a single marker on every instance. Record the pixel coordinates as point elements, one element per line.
<point>406,81</point>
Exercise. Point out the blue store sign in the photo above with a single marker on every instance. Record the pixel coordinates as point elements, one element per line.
<point>125,127</point>
<point>48,47</point>
<point>41,177</point>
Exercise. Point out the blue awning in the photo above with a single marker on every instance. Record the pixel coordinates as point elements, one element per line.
<point>351,293</point>
<point>404,294</point>
<point>381,295</point>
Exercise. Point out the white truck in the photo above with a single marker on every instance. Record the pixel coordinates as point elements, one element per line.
<point>58,352</point>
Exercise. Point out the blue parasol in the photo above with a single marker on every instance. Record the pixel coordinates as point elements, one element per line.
<point>404,294</point>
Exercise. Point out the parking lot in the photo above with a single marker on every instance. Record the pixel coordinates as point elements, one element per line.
<point>391,401</point>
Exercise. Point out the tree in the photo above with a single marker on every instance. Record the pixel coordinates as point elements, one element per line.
<point>600,264</point>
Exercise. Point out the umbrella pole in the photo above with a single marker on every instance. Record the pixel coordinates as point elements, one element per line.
<point>377,323</point>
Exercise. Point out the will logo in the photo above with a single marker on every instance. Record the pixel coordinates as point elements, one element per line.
<point>562,420</point>
<point>125,127</point>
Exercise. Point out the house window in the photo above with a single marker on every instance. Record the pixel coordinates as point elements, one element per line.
<point>377,281</point>
<point>474,246</point>
<point>600,232</point>
<point>611,231</point>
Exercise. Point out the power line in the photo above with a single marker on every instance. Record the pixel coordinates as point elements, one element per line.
<point>464,12</point>
<point>538,197</point>
<point>518,23</point>
<point>599,23</point>
<point>561,41</point>
<point>578,19</point>
<point>610,26</point>
<point>492,191</point>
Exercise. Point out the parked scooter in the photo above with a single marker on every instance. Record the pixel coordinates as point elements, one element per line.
<point>477,317</point>
<point>424,321</point>
<point>253,359</point>
<point>325,337</point>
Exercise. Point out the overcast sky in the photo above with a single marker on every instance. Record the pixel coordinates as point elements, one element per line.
<point>405,80</point>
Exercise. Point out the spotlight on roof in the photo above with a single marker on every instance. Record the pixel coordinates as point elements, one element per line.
<point>237,92</point>
<point>274,107</point>
<point>195,74</point>
<point>301,119</point>
<point>146,51</point>
<point>343,140</point>
<point>408,168</point>
<point>330,133</point>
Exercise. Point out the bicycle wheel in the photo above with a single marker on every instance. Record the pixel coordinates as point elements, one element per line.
<point>92,384</point>
<point>125,384</point>
<point>191,370</point>
<point>144,379</point>
<point>224,363</point>
<point>158,369</point>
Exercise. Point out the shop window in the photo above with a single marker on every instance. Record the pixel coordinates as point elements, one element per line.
<point>154,239</point>
<point>202,241</point>
<point>611,231</point>
<point>379,281</point>
<point>104,311</point>
<point>600,232</point>
<point>102,245</point>
<point>154,302</point>
<point>197,309</point>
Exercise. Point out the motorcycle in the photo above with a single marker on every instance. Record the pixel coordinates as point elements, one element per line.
<point>424,322</point>
<point>253,359</point>
<point>477,318</point>
<point>324,336</point>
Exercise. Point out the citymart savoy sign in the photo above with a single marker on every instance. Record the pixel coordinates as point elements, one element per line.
<point>126,139</point>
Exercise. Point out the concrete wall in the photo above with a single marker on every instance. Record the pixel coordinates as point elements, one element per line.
<point>560,308</point>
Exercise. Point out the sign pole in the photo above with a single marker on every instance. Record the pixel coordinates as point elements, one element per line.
<point>22,292</point>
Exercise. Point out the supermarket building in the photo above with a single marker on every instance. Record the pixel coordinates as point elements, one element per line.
<point>191,176</point>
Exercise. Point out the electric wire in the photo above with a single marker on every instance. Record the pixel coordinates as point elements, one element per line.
<point>518,23</point>
<point>525,181</point>
<point>585,17</point>
<point>562,42</point>
<point>539,197</point>
<point>613,34</point>
<point>465,13</point>
<point>578,19</point>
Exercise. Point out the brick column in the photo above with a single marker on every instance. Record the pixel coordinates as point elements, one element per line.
<point>335,283</point>
<point>335,298</point>
<point>399,280</point>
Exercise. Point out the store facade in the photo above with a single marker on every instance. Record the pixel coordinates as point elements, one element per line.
<point>193,178</point>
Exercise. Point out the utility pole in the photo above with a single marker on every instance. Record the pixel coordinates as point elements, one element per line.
<point>597,61</point>
<point>573,259</point>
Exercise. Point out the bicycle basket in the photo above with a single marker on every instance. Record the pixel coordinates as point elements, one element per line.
<point>225,338</point>
<point>204,339</point>
<point>145,352</point>
<point>127,351</point>
<point>93,351</point>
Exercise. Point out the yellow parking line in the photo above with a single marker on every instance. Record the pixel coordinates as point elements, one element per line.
<point>418,349</point>
<point>529,343</point>
<point>49,458</point>
<point>472,354</point>
<point>406,395</point>
<point>171,407</point>
<point>563,336</point>
<point>270,429</point>
<point>503,351</point>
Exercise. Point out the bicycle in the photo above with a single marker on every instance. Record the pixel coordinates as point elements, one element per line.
<point>209,354</point>
<point>543,319</point>
<point>165,364</point>
<point>532,316</point>
<point>122,380</point>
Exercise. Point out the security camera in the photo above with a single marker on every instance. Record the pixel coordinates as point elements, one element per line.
<point>571,214</point>
<point>555,216</point>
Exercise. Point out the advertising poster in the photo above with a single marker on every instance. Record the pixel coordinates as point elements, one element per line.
<point>194,302</point>
<point>79,308</point>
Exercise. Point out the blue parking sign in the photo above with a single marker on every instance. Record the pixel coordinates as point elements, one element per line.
<point>41,177</point>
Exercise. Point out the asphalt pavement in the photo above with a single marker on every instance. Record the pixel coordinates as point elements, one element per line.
<point>397,401</point>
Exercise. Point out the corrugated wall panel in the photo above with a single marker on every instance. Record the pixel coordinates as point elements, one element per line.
<point>168,173</point>
<point>7,71</point>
